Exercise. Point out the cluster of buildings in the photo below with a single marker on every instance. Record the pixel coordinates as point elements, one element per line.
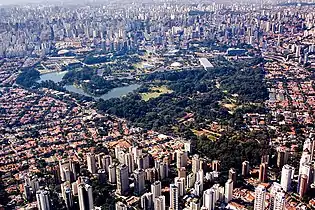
<point>178,181</point>
<point>48,129</point>
<point>44,126</point>
<point>131,170</point>
<point>288,51</point>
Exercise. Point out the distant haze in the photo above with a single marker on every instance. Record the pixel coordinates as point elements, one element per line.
<point>22,2</point>
<point>8,2</point>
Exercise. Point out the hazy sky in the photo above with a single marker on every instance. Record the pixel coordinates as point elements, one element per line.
<point>19,1</point>
<point>6,2</point>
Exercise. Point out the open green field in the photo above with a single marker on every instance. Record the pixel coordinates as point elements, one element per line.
<point>210,134</point>
<point>155,92</point>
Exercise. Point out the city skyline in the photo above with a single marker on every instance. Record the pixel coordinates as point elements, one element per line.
<point>157,105</point>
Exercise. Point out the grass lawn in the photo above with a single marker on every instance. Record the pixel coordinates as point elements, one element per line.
<point>230,106</point>
<point>210,134</point>
<point>155,92</point>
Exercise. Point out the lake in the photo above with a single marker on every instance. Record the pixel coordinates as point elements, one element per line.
<point>54,76</point>
<point>114,93</point>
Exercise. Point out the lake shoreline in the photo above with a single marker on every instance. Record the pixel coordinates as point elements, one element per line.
<point>113,93</point>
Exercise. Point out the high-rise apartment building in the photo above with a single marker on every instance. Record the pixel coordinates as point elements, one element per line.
<point>233,175</point>
<point>105,162</point>
<point>286,177</point>
<point>174,197</point>
<point>260,197</point>
<point>122,178</point>
<point>216,165</point>
<point>159,203</point>
<point>263,168</point>
<point>85,195</point>
<point>121,206</point>
<point>67,194</point>
<point>181,159</point>
<point>245,168</point>
<point>43,201</point>
<point>139,177</point>
<point>180,183</point>
<point>90,158</point>
<point>279,201</point>
<point>112,174</point>
<point>228,194</point>
<point>195,162</point>
<point>209,199</point>
<point>147,201</point>
<point>156,188</point>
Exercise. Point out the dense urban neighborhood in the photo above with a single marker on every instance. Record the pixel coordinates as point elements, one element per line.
<point>155,105</point>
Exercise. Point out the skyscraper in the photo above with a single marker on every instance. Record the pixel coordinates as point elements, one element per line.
<point>106,161</point>
<point>265,159</point>
<point>122,179</point>
<point>188,147</point>
<point>218,192</point>
<point>263,172</point>
<point>143,161</point>
<point>75,167</point>
<point>180,183</point>
<point>194,205</point>
<point>67,194</point>
<point>121,206</point>
<point>306,158</point>
<point>174,197</point>
<point>90,158</point>
<point>198,188</point>
<point>182,172</point>
<point>27,192</point>
<point>136,152</point>
<point>195,162</point>
<point>112,174</point>
<point>191,178</point>
<point>156,189</point>
<point>233,175</point>
<point>43,201</point>
<point>200,176</point>
<point>245,168</point>
<point>117,150</point>
<point>98,158</point>
<point>181,159</point>
<point>260,196</point>
<point>282,156</point>
<point>139,176</point>
<point>157,163</point>
<point>279,201</point>
<point>275,189</point>
<point>85,196</point>
<point>302,186</point>
<point>208,199</point>
<point>308,170</point>
<point>228,194</point>
<point>159,203</point>
<point>216,164</point>
<point>129,161</point>
<point>286,177</point>
<point>147,201</point>
<point>101,175</point>
<point>121,157</point>
<point>68,170</point>
<point>151,174</point>
<point>163,170</point>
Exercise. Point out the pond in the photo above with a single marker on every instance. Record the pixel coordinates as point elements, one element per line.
<point>54,76</point>
<point>114,93</point>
